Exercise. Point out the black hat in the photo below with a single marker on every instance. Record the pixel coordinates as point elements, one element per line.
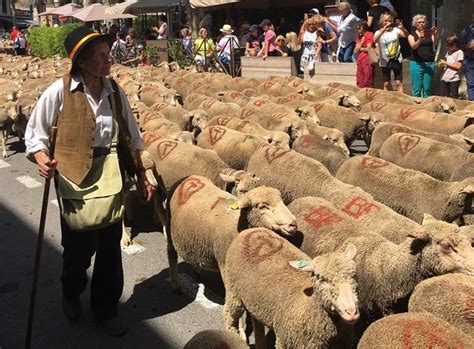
<point>80,38</point>
<point>253,28</point>
<point>266,22</point>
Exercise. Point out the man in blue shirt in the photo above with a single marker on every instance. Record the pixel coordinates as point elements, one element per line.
<point>467,45</point>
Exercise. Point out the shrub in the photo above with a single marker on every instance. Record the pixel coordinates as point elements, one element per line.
<point>46,42</point>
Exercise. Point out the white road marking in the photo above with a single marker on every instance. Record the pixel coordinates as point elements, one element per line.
<point>196,291</point>
<point>29,182</point>
<point>133,248</point>
<point>4,164</point>
<point>55,202</point>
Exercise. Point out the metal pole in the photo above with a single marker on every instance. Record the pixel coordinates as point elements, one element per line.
<point>39,245</point>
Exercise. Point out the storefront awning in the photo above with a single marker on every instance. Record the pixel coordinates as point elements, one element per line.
<point>210,3</point>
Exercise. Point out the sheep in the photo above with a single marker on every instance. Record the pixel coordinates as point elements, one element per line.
<point>312,305</point>
<point>193,100</point>
<point>368,94</point>
<point>166,128</point>
<point>242,83</point>
<point>353,125</point>
<point>413,330</point>
<point>440,160</point>
<point>322,150</point>
<point>458,103</point>
<point>221,217</point>
<point>214,108</point>
<point>331,134</point>
<point>386,129</point>
<point>216,339</point>
<point>233,97</point>
<point>6,126</point>
<point>436,296</point>
<point>406,191</point>
<point>275,88</point>
<point>277,138</point>
<point>234,147</point>
<point>468,132</point>
<point>193,121</point>
<point>277,167</point>
<point>386,272</point>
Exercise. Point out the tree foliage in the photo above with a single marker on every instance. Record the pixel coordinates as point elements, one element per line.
<point>46,42</point>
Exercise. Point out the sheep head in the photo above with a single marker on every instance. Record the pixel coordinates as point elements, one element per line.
<point>277,138</point>
<point>333,282</point>
<point>242,181</point>
<point>447,249</point>
<point>308,113</point>
<point>349,101</point>
<point>296,128</point>
<point>265,208</point>
<point>196,119</point>
<point>444,107</point>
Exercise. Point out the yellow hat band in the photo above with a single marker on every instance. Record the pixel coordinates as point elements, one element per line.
<point>79,44</point>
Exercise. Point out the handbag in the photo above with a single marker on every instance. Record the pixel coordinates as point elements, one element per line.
<point>97,202</point>
<point>394,64</point>
<point>373,55</point>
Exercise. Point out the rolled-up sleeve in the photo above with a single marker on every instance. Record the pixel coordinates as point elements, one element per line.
<point>131,121</point>
<point>42,118</point>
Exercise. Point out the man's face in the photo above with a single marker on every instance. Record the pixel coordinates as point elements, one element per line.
<point>99,62</point>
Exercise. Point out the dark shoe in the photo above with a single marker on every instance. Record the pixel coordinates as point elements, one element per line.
<point>72,309</point>
<point>112,327</point>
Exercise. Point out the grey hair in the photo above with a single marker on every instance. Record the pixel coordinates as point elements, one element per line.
<point>416,18</point>
<point>344,5</point>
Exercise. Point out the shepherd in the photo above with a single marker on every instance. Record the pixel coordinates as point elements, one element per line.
<point>97,144</point>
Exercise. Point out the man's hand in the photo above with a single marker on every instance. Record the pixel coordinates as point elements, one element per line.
<point>144,186</point>
<point>46,166</point>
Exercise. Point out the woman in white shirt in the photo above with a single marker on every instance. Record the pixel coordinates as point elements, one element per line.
<point>308,39</point>
<point>163,29</point>
<point>390,57</point>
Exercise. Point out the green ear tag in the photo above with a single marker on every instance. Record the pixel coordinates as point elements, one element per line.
<point>302,264</point>
<point>232,203</point>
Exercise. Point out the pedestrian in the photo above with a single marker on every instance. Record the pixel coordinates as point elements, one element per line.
<point>187,41</point>
<point>162,30</point>
<point>422,65</point>
<point>365,70</point>
<point>374,13</point>
<point>281,49</point>
<point>95,122</point>
<point>467,45</point>
<point>130,38</point>
<point>13,34</point>
<point>268,48</point>
<point>204,48</point>
<point>254,41</point>
<point>19,44</point>
<point>326,36</point>
<point>390,57</point>
<point>308,39</point>
<point>452,65</point>
<point>119,50</point>
<point>227,44</point>
<point>346,31</point>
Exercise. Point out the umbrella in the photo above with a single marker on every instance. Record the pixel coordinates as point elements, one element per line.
<point>152,6</point>
<point>119,8</point>
<point>96,12</point>
<point>65,10</point>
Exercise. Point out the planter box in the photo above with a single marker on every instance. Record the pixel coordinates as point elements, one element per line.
<point>257,68</point>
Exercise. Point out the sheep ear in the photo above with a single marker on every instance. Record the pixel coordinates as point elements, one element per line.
<point>227,178</point>
<point>419,235</point>
<point>325,137</point>
<point>188,116</point>
<point>427,218</point>
<point>350,251</point>
<point>364,117</point>
<point>468,189</point>
<point>302,265</point>
<point>244,202</point>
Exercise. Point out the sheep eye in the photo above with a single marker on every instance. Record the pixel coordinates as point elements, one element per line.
<point>263,206</point>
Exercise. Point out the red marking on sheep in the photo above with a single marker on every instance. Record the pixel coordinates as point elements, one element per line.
<point>161,106</point>
<point>149,137</point>
<point>260,102</point>
<point>191,98</point>
<point>376,106</point>
<point>219,200</point>
<point>428,335</point>
<point>148,117</point>
<point>165,148</point>
<point>371,94</point>
<point>236,95</point>
<point>322,216</point>
<point>284,100</point>
<point>306,97</point>
<point>197,84</point>
<point>279,116</point>
<point>359,207</point>
<point>309,141</point>
<point>334,84</point>
<point>468,312</point>
<point>246,113</point>
<point>396,129</point>
<point>405,113</point>
<point>406,143</point>
<point>268,85</point>
<point>373,163</point>
<point>188,188</point>
<point>330,91</point>
<point>223,120</point>
<point>317,107</point>
<point>206,105</point>
<point>259,245</point>
<point>243,123</point>
<point>273,153</point>
<point>216,133</point>
<point>296,83</point>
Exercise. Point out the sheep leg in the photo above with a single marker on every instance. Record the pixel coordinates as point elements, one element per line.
<point>278,344</point>
<point>233,311</point>
<point>259,333</point>
<point>4,144</point>
<point>126,239</point>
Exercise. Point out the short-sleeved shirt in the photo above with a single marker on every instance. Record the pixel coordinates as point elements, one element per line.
<point>255,42</point>
<point>346,29</point>
<point>225,44</point>
<point>389,46</point>
<point>376,12</point>
<point>270,36</point>
<point>309,43</point>
<point>365,41</point>
<point>449,74</point>
<point>203,47</point>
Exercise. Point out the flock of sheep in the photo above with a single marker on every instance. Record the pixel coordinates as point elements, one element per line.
<point>255,179</point>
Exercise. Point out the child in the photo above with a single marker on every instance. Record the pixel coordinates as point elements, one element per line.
<point>19,45</point>
<point>451,77</point>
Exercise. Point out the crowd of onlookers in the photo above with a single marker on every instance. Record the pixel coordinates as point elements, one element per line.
<point>17,39</point>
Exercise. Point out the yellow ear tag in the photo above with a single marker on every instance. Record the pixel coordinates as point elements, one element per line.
<point>232,203</point>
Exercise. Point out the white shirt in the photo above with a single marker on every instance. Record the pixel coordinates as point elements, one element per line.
<point>347,29</point>
<point>50,104</point>
<point>388,39</point>
<point>309,43</point>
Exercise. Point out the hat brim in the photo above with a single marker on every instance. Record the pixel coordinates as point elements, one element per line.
<point>227,31</point>
<point>87,41</point>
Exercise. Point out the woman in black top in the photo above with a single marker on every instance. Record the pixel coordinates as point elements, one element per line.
<point>422,65</point>
<point>374,13</point>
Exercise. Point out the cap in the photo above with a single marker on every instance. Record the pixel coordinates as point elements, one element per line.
<point>314,11</point>
<point>253,27</point>
<point>266,22</point>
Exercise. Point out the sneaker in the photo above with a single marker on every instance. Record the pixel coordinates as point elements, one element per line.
<point>72,309</point>
<point>113,327</point>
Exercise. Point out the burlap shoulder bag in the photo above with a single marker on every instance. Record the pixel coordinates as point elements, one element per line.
<point>373,55</point>
<point>98,201</point>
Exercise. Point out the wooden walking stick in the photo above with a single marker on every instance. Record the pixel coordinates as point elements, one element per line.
<point>39,243</point>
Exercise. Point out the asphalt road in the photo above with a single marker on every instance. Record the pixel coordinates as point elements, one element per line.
<point>157,318</point>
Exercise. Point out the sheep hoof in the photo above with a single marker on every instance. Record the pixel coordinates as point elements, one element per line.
<point>126,240</point>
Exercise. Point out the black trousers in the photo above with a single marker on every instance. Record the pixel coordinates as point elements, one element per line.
<point>107,277</point>
<point>450,89</point>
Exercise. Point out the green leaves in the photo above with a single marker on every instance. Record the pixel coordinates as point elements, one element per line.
<point>45,42</point>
